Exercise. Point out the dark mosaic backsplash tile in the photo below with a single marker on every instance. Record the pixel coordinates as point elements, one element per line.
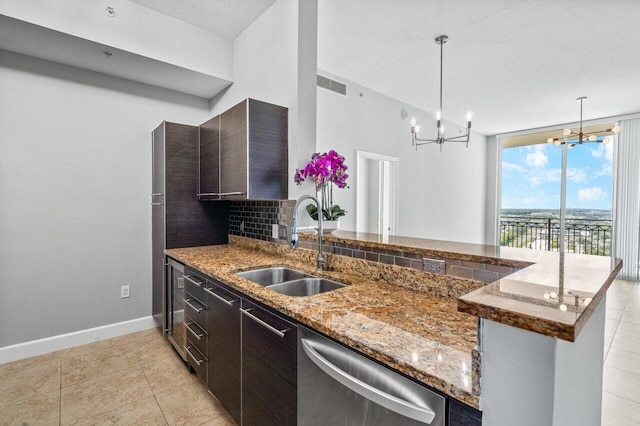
<point>254,219</point>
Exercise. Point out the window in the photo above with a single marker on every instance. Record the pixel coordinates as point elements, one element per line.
<point>531,195</point>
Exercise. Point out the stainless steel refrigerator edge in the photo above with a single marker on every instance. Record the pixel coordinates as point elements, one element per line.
<point>178,220</point>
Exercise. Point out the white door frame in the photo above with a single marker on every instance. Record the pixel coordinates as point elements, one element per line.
<point>391,165</point>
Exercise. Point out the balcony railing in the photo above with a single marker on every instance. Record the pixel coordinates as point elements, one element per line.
<point>586,236</point>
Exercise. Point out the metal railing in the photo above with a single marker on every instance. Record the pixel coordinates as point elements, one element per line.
<point>585,236</point>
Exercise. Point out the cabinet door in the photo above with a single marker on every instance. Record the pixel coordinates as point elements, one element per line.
<point>223,328</point>
<point>210,157</point>
<point>269,368</point>
<point>233,152</point>
<point>268,150</point>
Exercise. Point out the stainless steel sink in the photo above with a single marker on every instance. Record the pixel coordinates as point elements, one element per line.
<point>306,286</point>
<point>270,276</point>
<point>289,281</point>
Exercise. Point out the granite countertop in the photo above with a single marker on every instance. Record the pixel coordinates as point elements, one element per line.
<point>552,294</point>
<point>416,332</point>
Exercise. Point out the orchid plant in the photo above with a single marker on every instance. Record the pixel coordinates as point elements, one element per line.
<point>326,169</point>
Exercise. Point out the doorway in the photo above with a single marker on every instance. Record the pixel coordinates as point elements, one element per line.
<point>376,193</point>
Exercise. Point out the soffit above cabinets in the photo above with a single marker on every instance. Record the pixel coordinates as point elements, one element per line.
<point>44,43</point>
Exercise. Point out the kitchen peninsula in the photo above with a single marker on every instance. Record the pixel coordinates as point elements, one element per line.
<point>424,325</point>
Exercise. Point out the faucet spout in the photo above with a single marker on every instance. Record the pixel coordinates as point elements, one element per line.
<point>294,229</point>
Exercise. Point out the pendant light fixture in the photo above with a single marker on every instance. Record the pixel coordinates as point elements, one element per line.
<point>580,136</point>
<point>440,138</point>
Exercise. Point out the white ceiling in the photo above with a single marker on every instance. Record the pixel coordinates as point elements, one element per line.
<point>517,64</point>
<point>227,18</point>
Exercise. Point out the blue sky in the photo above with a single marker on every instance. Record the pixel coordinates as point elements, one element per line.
<point>531,176</point>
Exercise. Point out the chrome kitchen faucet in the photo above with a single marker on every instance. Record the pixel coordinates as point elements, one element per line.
<point>294,229</point>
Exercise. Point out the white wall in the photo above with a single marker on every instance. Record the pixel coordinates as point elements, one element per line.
<point>442,194</point>
<point>275,61</point>
<point>75,178</point>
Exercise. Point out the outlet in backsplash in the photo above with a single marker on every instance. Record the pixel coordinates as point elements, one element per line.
<point>255,218</point>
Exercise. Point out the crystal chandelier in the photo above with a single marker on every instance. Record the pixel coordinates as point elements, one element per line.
<point>440,137</point>
<point>569,134</point>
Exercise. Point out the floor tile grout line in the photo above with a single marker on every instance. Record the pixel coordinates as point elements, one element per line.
<point>624,371</point>
<point>155,397</point>
<point>622,397</point>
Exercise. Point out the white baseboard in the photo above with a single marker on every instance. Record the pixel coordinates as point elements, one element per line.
<point>77,338</point>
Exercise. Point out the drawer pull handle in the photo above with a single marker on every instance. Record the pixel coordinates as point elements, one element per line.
<point>199,362</point>
<point>272,329</point>
<point>197,335</point>
<point>188,302</point>
<point>192,281</point>
<point>222,299</point>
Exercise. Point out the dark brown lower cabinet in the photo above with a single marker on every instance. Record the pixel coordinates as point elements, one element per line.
<point>223,328</point>
<point>269,368</point>
<point>461,414</point>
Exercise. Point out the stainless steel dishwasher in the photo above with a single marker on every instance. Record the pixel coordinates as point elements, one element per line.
<point>337,386</point>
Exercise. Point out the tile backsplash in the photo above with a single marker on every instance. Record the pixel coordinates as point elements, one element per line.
<point>254,219</point>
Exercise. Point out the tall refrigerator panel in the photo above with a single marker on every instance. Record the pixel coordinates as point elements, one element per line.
<point>178,220</point>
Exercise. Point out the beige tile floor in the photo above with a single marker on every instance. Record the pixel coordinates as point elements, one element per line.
<point>621,377</point>
<point>136,379</point>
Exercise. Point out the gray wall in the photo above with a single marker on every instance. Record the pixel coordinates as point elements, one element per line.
<point>75,178</point>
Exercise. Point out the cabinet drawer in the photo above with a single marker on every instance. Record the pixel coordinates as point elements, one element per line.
<point>197,361</point>
<point>196,309</point>
<point>195,285</point>
<point>197,335</point>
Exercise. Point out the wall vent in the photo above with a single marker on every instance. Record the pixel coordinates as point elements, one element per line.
<point>334,86</point>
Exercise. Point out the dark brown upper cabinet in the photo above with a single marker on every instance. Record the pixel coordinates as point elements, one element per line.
<point>244,153</point>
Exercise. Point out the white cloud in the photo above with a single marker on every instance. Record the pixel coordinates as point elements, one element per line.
<point>605,170</point>
<point>536,177</point>
<point>603,150</point>
<point>536,157</point>
<point>598,152</point>
<point>594,193</point>
<point>506,166</point>
<point>577,175</point>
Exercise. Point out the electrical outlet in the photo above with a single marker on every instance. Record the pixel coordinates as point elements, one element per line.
<point>283,232</point>
<point>180,282</point>
<point>436,266</point>
<point>124,292</point>
<point>274,231</point>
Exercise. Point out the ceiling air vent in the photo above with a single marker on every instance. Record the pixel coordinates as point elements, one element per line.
<point>334,86</point>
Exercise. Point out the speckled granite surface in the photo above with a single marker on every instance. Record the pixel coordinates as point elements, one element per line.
<point>397,317</point>
<point>554,294</point>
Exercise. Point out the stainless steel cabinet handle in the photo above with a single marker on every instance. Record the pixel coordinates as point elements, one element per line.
<point>192,281</point>
<point>157,204</point>
<point>198,336</point>
<point>157,194</point>
<point>272,329</point>
<point>199,362</point>
<point>390,402</point>
<point>222,299</point>
<point>188,302</point>
<point>221,194</point>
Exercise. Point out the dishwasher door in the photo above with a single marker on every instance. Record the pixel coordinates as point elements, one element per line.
<point>337,386</point>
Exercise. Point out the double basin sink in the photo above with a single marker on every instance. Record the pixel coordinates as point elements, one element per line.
<point>289,281</point>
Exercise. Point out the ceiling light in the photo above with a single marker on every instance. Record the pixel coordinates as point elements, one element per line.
<point>570,135</point>
<point>440,138</point>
